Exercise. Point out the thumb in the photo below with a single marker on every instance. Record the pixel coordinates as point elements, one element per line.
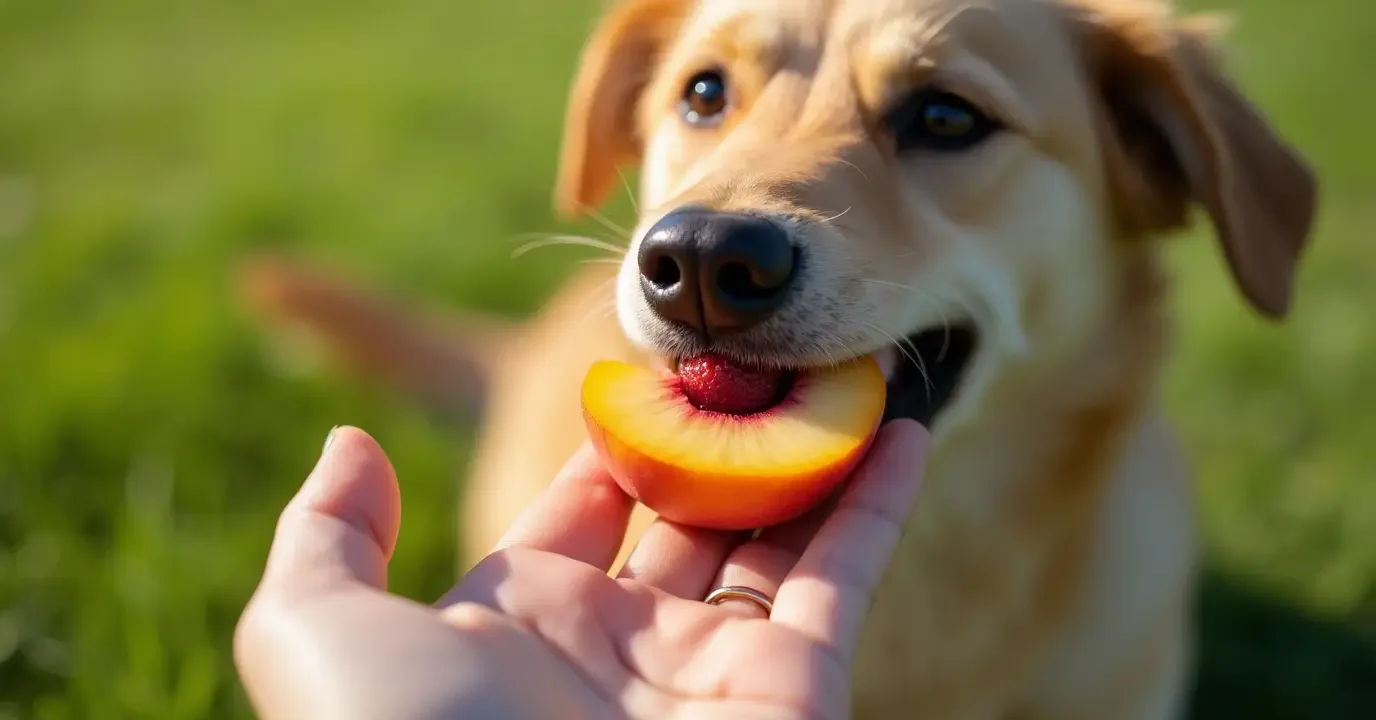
<point>342,525</point>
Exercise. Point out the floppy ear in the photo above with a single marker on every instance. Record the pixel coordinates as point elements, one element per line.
<point>600,132</point>
<point>1179,132</point>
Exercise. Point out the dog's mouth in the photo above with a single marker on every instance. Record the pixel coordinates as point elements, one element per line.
<point>923,373</point>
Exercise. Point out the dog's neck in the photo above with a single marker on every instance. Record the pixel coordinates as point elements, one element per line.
<point>1052,432</point>
<point>1007,512</point>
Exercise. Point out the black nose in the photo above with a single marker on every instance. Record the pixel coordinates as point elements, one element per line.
<point>715,272</point>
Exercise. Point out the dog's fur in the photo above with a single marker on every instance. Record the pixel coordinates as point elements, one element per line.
<point>1048,570</point>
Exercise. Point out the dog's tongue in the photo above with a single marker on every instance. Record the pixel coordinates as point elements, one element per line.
<point>714,383</point>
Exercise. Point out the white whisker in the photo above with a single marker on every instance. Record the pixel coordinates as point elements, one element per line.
<point>605,222</point>
<point>936,301</point>
<point>904,346</point>
<point>630,194</point>
<point>552,239</point>
<point>835,341</point>
<point>834,217</point>
<point>855,167</point>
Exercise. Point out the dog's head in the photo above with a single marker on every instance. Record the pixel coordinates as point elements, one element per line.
<point>957,179</point>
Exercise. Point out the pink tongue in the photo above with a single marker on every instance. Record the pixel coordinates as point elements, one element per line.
<point>716,384</point>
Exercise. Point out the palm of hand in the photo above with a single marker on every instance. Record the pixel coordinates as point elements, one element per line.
<point>625,648</point>
<point>540,630</point>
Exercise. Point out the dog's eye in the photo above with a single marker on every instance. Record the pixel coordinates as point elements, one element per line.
<point>704,99</point>
<point>938,120</point>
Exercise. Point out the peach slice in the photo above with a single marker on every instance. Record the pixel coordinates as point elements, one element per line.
<point>725,447</point>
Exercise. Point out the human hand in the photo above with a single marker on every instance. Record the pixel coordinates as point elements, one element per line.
<point>539,630</point>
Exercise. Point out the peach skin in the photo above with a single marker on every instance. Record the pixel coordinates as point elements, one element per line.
<point>721,446</point>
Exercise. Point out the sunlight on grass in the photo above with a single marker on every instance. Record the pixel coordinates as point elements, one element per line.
<point>148,437</point>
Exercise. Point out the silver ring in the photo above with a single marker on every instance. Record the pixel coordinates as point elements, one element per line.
<point>740,592</point>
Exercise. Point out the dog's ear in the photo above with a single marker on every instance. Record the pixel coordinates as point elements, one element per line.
<point>1176,131</point>
<point>600,131</point>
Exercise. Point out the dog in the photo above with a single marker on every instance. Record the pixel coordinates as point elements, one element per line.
<point>978,190</point>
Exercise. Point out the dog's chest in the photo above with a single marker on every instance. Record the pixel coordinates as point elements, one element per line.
<point>1018,566</point>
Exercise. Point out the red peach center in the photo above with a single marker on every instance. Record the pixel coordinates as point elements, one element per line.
<point>716,384</point>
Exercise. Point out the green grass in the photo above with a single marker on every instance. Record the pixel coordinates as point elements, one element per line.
<point>148,437</point>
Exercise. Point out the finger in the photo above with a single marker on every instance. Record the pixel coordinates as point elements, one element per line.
<point>828,592</point>
<point>679,559</point>
<point>582,514</point>
<point>763,562</point>
<point>342,524</point>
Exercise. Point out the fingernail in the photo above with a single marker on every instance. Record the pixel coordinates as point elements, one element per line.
<point>889,422</point>
<point>328,439</point>
<point>311,487</point>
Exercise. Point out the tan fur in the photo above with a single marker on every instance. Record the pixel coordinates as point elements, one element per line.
<point>1048,570</point>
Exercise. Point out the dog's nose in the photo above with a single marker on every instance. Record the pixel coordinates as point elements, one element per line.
<point>715,272</point>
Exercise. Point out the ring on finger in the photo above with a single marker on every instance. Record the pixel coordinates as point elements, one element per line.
<point>740,592</point>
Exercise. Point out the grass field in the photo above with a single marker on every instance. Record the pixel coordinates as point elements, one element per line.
<point>148,438</point>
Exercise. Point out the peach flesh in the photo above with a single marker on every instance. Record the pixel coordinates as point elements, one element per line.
<point>732,472</point>
<point>711,382</point>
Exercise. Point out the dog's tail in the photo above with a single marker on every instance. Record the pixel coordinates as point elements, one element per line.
<point>444,363</point>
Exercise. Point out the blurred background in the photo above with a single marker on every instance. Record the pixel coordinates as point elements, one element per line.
<point>149,433</point>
